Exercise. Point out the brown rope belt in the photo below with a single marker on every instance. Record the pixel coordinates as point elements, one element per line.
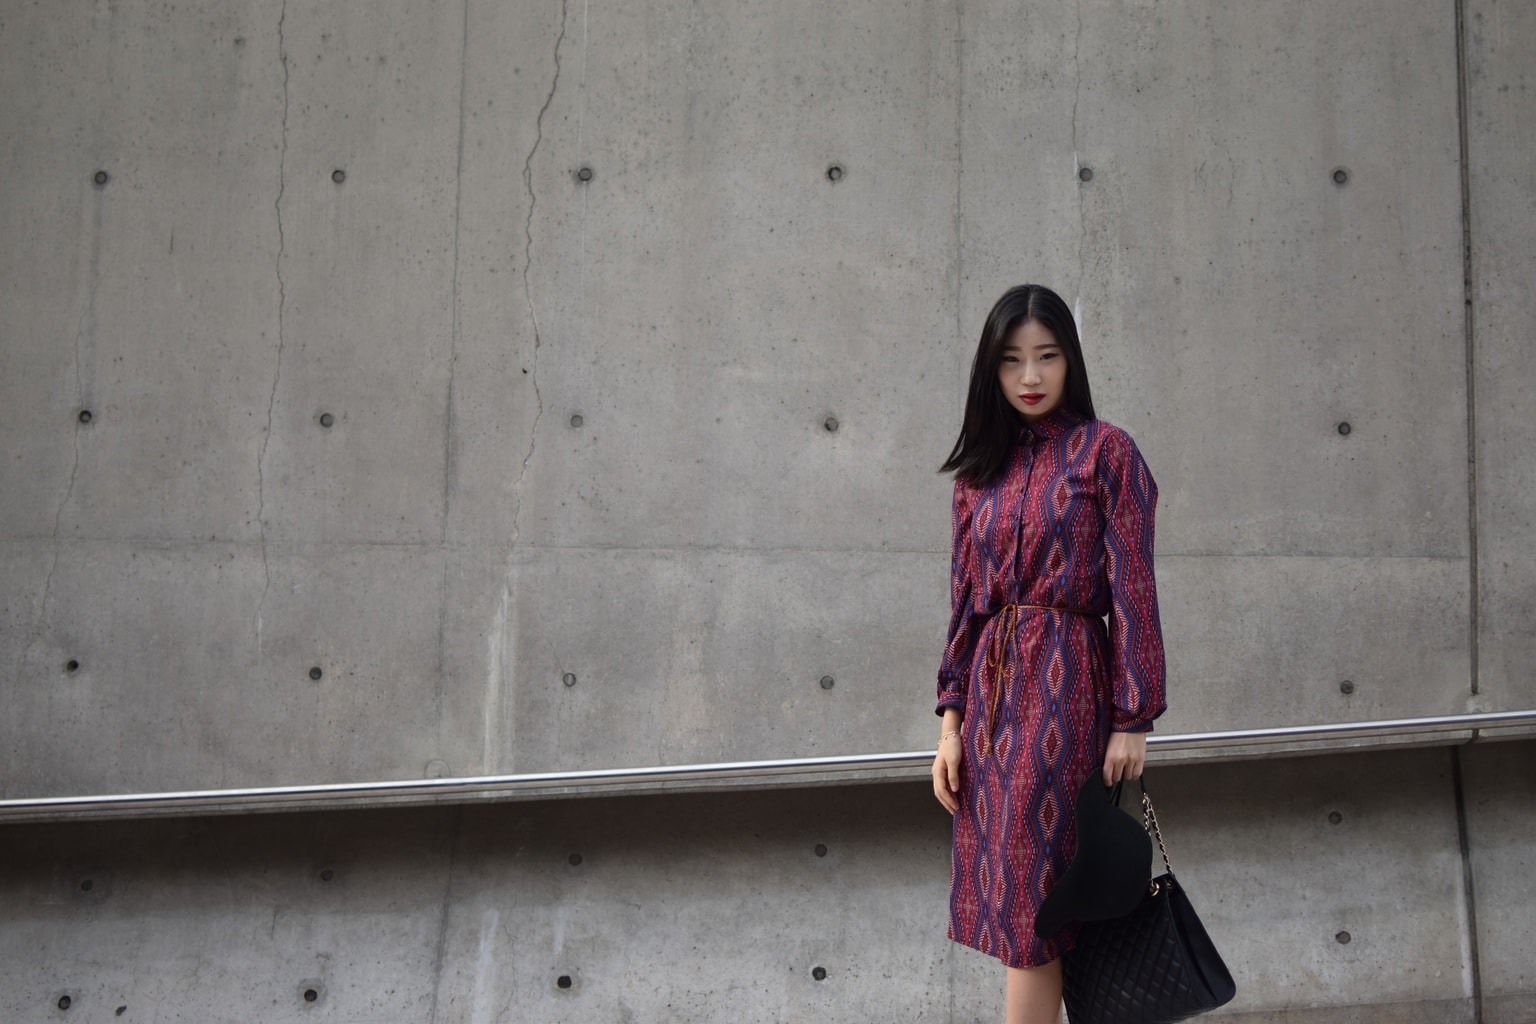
<point>997,649</point>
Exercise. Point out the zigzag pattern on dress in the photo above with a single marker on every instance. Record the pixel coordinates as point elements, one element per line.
<point>1068,528</point>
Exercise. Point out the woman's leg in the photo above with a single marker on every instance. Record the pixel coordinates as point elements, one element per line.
<point>1034,994</point>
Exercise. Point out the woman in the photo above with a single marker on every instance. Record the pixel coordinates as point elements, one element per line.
<point>1052,528</point>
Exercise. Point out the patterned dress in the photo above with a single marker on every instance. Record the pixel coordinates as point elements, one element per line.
<point>1062,538</point>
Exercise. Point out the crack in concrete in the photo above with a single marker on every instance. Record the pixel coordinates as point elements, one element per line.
<point>84,326</point>
<point>282,304</point>
<point>533,437</point>
<point>58,513</point>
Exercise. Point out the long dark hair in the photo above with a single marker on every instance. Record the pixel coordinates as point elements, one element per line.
<point>991,424</point>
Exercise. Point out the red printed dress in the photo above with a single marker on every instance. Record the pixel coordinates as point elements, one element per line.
<point>1062,538</point>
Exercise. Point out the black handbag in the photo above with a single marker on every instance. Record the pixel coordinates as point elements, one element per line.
<point>1154,965</point>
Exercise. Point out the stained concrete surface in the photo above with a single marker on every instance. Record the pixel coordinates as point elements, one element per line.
<point>1333,885</point>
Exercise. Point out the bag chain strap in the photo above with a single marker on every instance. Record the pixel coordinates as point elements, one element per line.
<point>1149,822</point>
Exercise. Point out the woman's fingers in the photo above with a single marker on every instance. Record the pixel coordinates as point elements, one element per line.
<point>946,782</point>
<point>1125,757</point>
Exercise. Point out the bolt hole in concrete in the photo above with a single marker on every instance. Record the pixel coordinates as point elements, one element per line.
<point>1343,938</point>
<point>576,420</point>
<point>835,173</point>
<point>821,849</point>
<point>1345,428</point>
<point>310,995</point>
<point>316,673</point>
<point>71,666</point>
<point>575,860</point>
<point>1340,176</point>
<point>327,420</point>
<point>564,981</point>
<point>338,175</point>
<point>87,884</point>
<point>569,679</point>
<point>1346,687</point>
<point>584,174</point>
<point>327,874</point>
<point>831,424</point>
<point>101,178</point>
<point>85,416</point>
<point>827,682</point>
<point>1334,817</point>
<point>1085,174</point>
<point>64,1002</point>
<point>819,973</point>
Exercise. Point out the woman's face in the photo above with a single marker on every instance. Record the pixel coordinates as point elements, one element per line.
<point>1033,373</point>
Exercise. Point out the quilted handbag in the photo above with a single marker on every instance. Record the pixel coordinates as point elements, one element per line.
<point>1155,964</point>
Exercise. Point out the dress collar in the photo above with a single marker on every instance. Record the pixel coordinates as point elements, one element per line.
<point>1050,426</point>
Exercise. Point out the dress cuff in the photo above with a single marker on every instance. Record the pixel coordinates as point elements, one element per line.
<point>1122,721</point>
<point>950,699</point>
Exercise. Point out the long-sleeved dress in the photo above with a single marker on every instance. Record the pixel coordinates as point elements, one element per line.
<point>1062,538</point>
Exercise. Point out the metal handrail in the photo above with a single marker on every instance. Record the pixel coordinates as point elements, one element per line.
<point>595,781</point>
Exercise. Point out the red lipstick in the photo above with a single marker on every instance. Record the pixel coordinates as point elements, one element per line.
<point>1031,399</point>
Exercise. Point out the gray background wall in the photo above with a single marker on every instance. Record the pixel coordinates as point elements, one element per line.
<point>698,549</point>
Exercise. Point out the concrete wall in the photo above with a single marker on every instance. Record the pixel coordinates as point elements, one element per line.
<point>482,358</point>
<point>1328,882</point>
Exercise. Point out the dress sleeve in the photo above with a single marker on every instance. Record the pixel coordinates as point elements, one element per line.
<point>1127,499</point>
<point>960,641</point>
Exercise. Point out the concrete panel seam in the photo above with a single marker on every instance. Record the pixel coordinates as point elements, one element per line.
<point>1082,215</point>
<point>446,907</point>
<point>282,302</point>
<point>453,333</point>
<point>585,174</point>
<point>1469,325</point>
<point>959,168</point>
<point>453,363</point>
<point>279,547</point>
<point>1469,891</point>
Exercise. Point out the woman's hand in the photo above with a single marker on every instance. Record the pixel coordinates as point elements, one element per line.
<point>946,764</point>
<point>1126,756</point>
<point>946,774</point>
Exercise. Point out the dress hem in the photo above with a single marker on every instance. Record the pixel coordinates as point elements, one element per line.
<point>1061,947</point>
